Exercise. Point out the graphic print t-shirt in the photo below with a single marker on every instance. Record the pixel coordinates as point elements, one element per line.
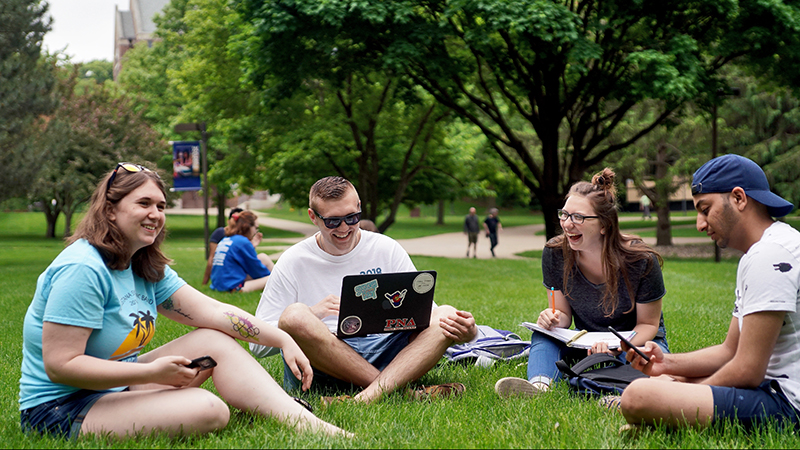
<point>78,289</point>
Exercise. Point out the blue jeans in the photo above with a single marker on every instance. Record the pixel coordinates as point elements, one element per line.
<point>378,349</point>
<point>545,351</point>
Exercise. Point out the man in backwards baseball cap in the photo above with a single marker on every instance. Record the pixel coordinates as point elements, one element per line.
<point>729,171</point>
<point>753,377</point>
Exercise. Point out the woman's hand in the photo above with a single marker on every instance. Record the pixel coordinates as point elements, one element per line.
<point>602,347</point>
<point>172,371</point>
<point>549,319</point>
<point>256,239</point>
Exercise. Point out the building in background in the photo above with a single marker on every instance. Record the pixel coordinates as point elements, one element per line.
<point>134,26</point>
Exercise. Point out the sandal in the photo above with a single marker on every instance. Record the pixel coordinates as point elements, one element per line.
<point>612,402</point>
<point>437,391</point>
<point>328,401</point>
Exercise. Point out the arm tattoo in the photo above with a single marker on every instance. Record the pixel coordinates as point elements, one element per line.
<point>169,306</point>
<point>241,325</point>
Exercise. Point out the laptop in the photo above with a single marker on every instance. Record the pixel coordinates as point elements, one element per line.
<point>385,303</point>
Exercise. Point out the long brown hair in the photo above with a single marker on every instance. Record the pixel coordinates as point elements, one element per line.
<point>619,250</point>
<point>242,222</point>
<point>97,227</point>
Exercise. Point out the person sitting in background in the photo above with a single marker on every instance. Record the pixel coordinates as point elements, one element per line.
<point>236,267</point>
<point>368,225</point>
<point>599,277</point>
<point>94,310</point>
<point>217,236</point>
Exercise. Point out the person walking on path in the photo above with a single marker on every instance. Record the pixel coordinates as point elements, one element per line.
<point>472,228</point>
<point>492,225</point>
<point>644,205</point>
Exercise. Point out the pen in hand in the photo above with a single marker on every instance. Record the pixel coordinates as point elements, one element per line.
<point>552,295</point>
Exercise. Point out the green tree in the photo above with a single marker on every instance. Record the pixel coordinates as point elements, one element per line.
<point>80,142</point>
<point>26,82</point>
<point>388,142</point>
<point>547,81</point>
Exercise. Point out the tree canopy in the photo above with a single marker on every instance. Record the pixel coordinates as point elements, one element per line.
<point>547,81</point>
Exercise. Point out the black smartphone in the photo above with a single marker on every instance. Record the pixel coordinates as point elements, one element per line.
<point>628,343</point>
<point>203,362</point>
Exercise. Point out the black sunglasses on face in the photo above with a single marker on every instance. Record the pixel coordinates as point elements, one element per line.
<point>575,217</point>
<point>129,167</point>
<point>334,222</point>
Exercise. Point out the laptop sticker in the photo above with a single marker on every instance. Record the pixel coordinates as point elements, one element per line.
<point>351,325</point>
<point>396,298</point>
<point>423,283</point>
<point>400,324</point>
<point>367,291</point>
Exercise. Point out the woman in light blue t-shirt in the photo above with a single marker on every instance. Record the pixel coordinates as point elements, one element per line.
<point>95,308</point>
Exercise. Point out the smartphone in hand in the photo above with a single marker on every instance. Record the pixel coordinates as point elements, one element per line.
<point>203,362</point>
<point>628,343</point>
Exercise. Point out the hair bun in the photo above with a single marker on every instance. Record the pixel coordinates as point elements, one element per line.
<point>604,180</point>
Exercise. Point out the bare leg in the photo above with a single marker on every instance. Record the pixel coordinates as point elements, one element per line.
<point>323,349</point>
<point>239,379</point>
<point>412,362</point>
<point>654,400</point>
<point>255,285</point>
<point>266,260</point>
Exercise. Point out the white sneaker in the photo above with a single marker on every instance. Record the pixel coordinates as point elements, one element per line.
<point>511,386</point>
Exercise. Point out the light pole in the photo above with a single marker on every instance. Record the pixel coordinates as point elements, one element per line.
<point>201,127</point>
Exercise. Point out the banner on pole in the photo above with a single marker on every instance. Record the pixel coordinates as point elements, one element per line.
<point>186,165</point>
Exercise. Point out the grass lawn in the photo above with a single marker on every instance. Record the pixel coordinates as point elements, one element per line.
<point>500,293</point>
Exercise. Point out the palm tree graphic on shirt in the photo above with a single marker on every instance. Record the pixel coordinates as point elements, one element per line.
<point>144,327</point>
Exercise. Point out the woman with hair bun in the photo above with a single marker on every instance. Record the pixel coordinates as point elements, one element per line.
<point>600,277</point>
<point>236,266</point>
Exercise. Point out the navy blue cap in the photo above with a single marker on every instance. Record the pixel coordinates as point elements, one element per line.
<point>726,172</point>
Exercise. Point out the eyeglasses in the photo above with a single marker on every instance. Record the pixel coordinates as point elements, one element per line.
<point>575,217</point>
<point>129,167</point>
<point>334,222</point>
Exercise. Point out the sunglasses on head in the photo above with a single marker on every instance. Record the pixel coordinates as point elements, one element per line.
<point>129,167</point>
<point>334,222</point>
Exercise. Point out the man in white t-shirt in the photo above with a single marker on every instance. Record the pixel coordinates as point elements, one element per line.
<point>754,375</point>
<point>302,298</point>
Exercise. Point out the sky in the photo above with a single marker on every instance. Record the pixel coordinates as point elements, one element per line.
<point>84,27</point>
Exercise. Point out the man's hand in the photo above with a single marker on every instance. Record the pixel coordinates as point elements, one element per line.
<point>329,306</point>
<point>653,368</point>
<point>459,327</point>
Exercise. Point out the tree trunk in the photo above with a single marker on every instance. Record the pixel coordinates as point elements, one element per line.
<point>51,215</point>
<point>221,219</point>
<point>663,191</point>
<point>440,213</point>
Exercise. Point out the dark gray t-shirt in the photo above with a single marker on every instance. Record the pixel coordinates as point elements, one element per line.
<point>585,297</point>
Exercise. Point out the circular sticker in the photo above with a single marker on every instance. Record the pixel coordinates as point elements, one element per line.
<point>423,283</point>
<point>350,325</point>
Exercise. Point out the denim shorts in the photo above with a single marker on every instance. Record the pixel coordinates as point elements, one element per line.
<point>755,406</point>
<point>61,417</point>
<point>378,349</point>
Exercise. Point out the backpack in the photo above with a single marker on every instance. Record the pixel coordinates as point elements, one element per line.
<point>612,377</point>
<point>489,346</point>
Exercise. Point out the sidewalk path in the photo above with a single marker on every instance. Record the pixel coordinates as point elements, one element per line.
<point>511,240</point>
